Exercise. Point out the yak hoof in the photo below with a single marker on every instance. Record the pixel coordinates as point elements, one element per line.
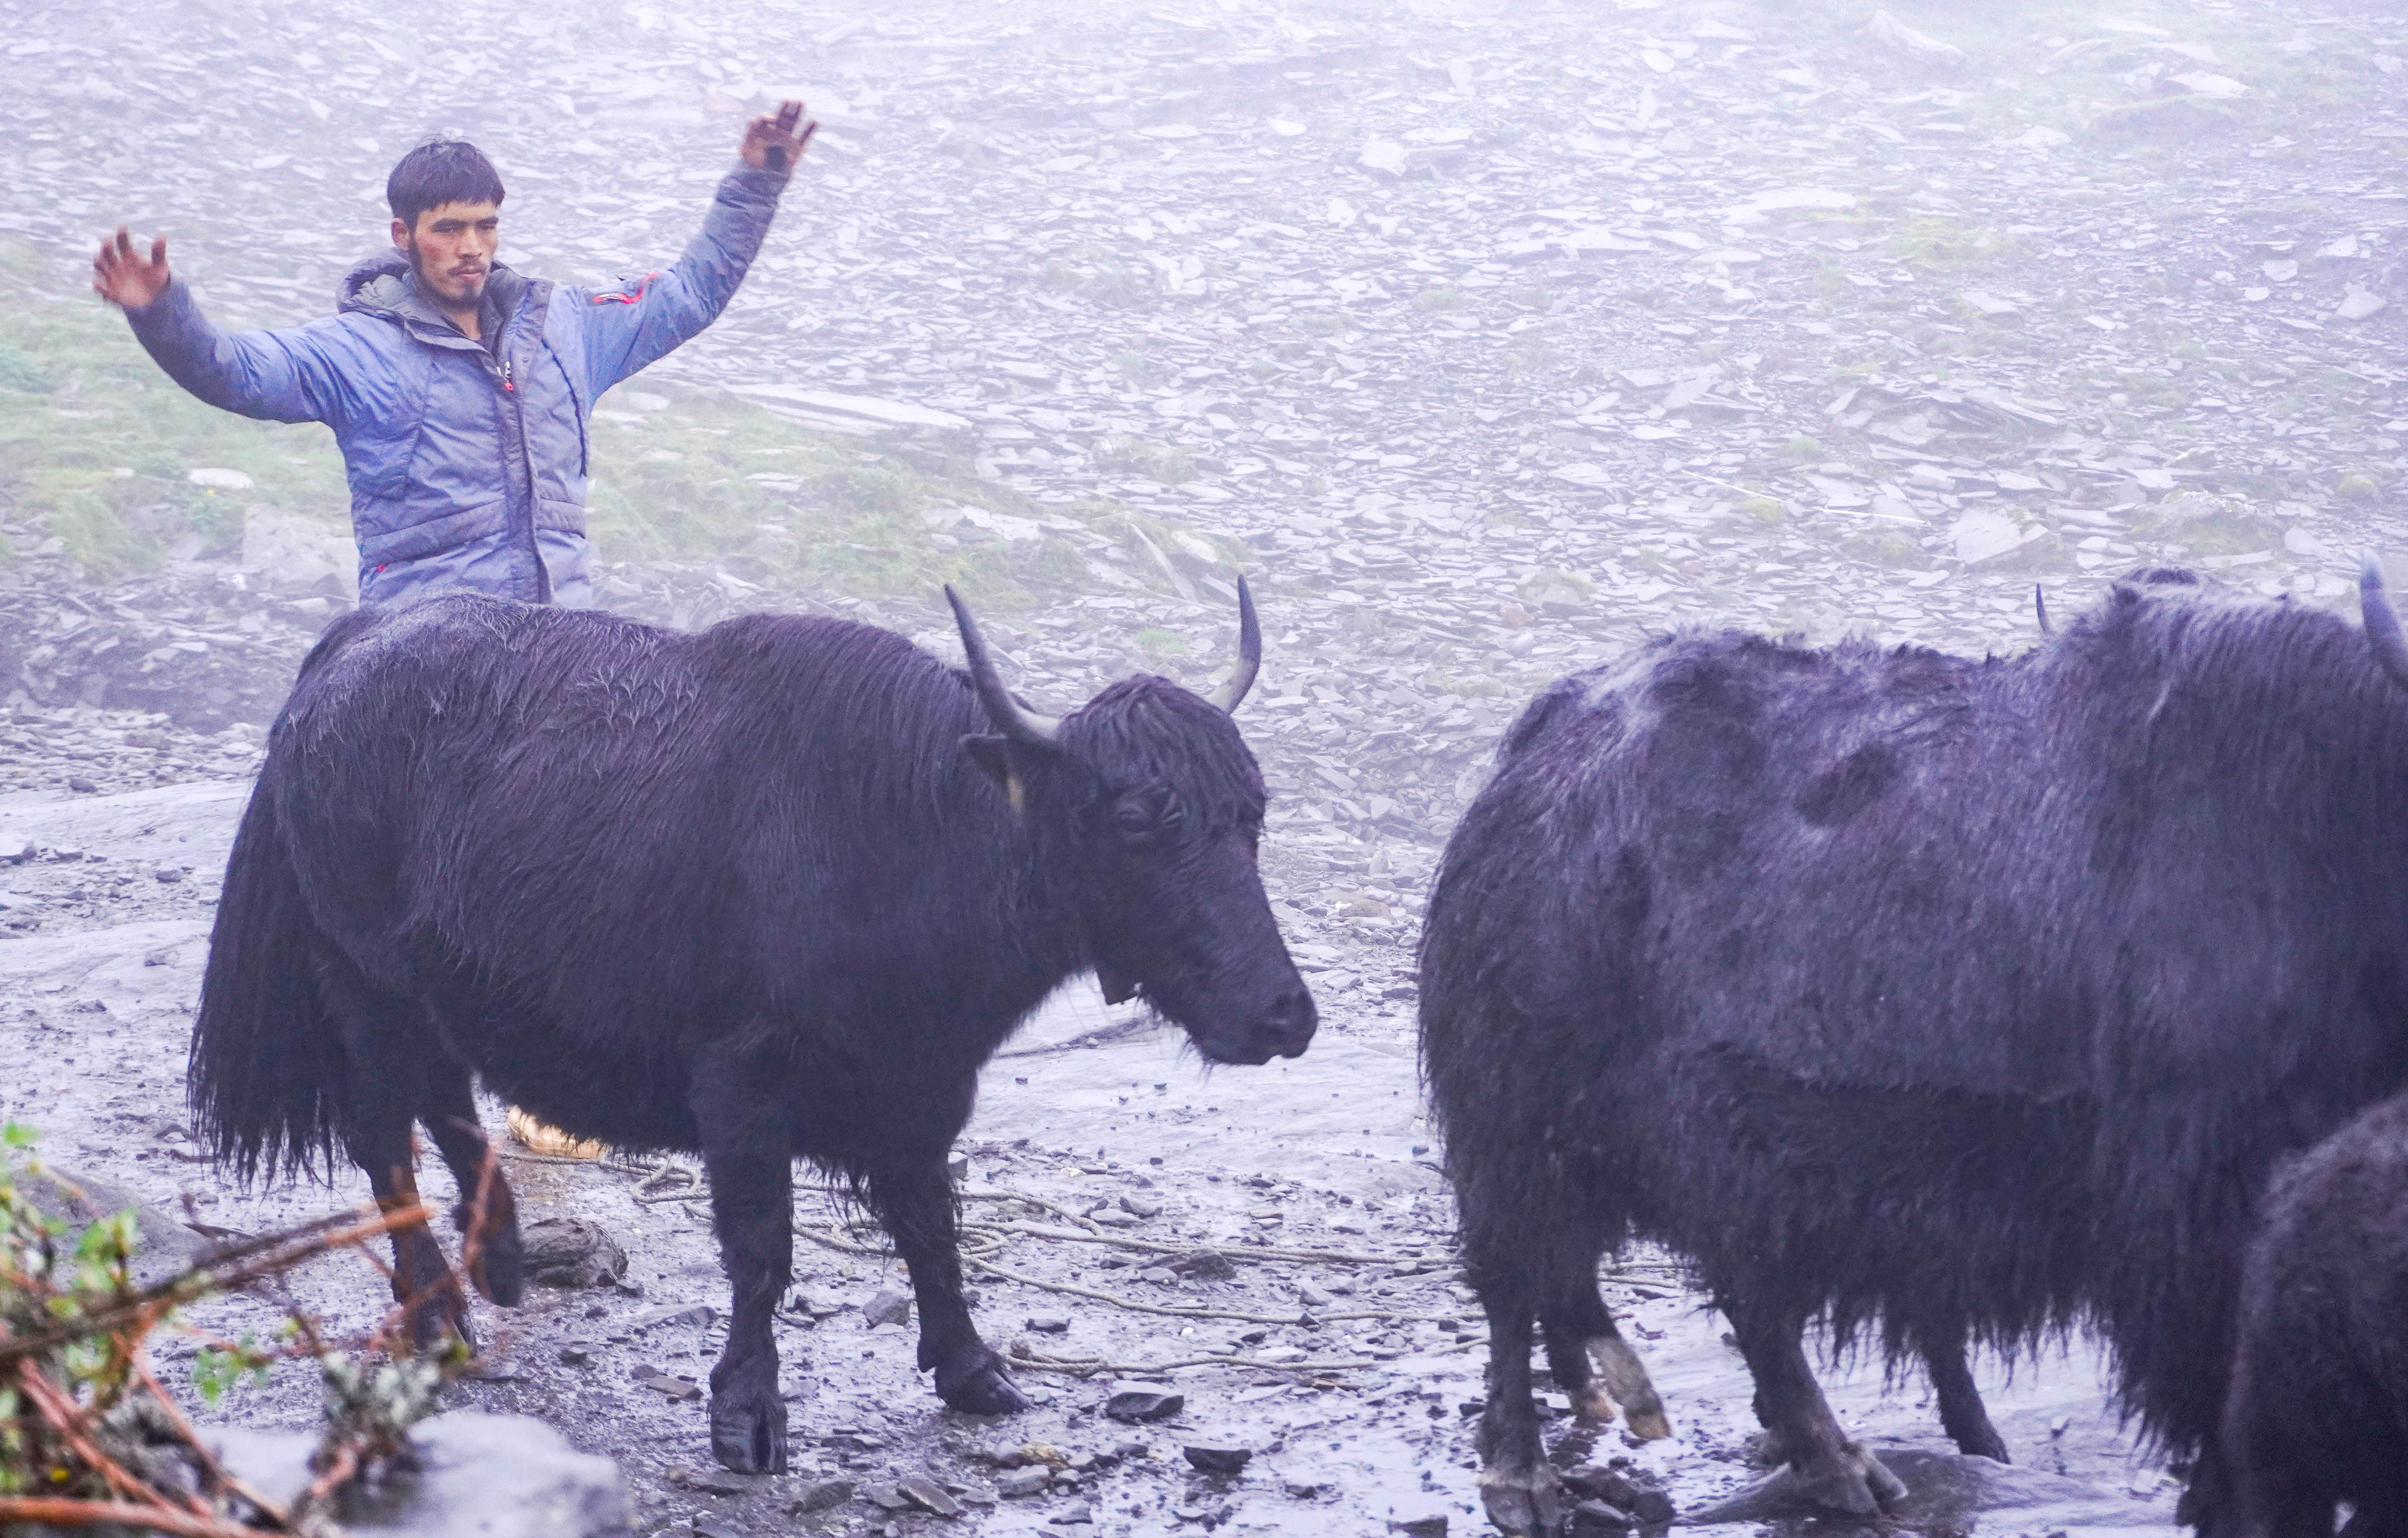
<point>1623,1377</point>
<point>1524,1503</point>
<point>983,1387</point>
<point>1650,1425</point>
<point>749,1436</point>
<point>1854,1482</point>
<point>438,1319</point>
<point>500,1268</point>
<point>1596,1405</point>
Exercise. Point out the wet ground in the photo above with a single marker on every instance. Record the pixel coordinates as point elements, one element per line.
<point>1101,1158</point>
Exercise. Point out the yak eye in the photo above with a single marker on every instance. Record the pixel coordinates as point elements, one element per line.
<point>1137,816</point>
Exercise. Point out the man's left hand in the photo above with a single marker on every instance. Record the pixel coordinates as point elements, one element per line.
<point>772,142</point>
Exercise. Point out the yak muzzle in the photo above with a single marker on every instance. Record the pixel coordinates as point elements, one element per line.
<point>1283,1029</point>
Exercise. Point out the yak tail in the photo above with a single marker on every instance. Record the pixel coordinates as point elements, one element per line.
<point>267,1062</point>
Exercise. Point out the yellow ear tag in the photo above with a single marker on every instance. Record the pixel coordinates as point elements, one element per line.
<point>1011,788</point>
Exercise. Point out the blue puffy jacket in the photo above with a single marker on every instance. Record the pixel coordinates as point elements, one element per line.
<point>467,466</point>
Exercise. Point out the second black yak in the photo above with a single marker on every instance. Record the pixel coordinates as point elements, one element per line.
<point>772,891</point>
<point>2317,1412</point>
<point>1953,999</point>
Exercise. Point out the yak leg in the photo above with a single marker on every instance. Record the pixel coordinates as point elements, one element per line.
<point>385,1041</point>
<point>1962,1414</point>
<point>1581,1335</point>
<point>1518,1489</point>
<point>914,1199</point>
<point>748,1151</point>
<point>1833,1472</point>
<point>495,1260</point>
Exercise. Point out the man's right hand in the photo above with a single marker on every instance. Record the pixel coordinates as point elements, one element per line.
<point>120,274</point>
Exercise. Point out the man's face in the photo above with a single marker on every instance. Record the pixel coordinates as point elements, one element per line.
<point>452,249</point>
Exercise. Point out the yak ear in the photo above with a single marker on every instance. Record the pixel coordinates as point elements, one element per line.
<point>1117,988</point>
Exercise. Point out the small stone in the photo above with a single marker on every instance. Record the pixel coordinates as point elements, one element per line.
<point>716,1526</point>
<point>1137,1401</point>
<point>1302,1489</point>
<point>1432,1525</point>
<point>672,1314</point>
<point>1015,1483</point>
<point>679,1390</point>
<point>1217,1457</point>
<point>1141,1206</point>
<point>890,1497</point>
<point>718,1482</point>
<point>888,1306</point>
<point>1077,1511</point>
<point>1049,1324</point>
<point>167,875</point>
<point>576,1354</point>
<point>824,1495</point>
<point>79,784</point>
<point>1597,1519</point>
<point>1205,1265</point>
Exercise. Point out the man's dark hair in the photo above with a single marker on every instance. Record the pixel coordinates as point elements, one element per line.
<point>437,172</point>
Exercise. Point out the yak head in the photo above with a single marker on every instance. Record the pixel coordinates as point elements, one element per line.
<point>1144,809</point>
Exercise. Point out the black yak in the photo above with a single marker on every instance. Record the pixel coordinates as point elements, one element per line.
<point>2317,1412</point>
<point>1959,998</point>
<point>771,891</point>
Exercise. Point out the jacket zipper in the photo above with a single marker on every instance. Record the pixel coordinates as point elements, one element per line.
<point>526,459</point>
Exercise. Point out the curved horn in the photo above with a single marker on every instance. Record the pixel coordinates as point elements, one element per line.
<point>2039,606</point>
<point>1250,654</point>
<point>1021,725</point>
<point>2382,625</point>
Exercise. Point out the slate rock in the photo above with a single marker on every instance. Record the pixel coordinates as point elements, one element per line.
<point>1205,1266</point>
<point>1142,1401</point>
<point>1217,1457</point>
<point>928,1495</point>
<point>1597,1519</point>
<point>571,1252</point>
<point>888,1306</point>
<point>823,1495</point>
<point>162,1246</point>
<point>1428,1525</point>
<point>1033,1480</point>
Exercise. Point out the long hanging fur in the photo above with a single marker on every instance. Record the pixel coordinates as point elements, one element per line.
<point>266,1063</point>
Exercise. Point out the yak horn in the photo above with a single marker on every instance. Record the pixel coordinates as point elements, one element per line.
<point>1250,654</point>
<point>2039,606</point>
<point>1010,718</point>
<point>2382,625</point>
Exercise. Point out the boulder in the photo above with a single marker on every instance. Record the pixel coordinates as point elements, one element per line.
<point>495,1476</point>
<point>570,1252</point>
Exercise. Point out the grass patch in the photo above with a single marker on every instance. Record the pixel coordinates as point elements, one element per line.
<point>97,446</point>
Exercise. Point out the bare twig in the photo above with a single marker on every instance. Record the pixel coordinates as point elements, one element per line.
<point>68,1512</point>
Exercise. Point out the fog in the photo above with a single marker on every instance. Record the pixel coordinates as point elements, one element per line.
<point>1486,341</point>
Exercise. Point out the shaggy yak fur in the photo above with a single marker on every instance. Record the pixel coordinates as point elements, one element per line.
<point>1966,999</point>
<point>2318,1409</point>
<point>772,891</point>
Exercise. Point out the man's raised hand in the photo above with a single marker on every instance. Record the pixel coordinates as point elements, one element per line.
<point>772,142</point>
<point>120,274</point>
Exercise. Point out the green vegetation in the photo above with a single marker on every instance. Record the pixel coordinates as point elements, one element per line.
<point>96,450</point>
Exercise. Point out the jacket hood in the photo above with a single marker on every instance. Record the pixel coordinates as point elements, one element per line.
<point>380,285</point>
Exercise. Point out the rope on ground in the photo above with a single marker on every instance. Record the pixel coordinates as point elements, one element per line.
<point>980,1241</point>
